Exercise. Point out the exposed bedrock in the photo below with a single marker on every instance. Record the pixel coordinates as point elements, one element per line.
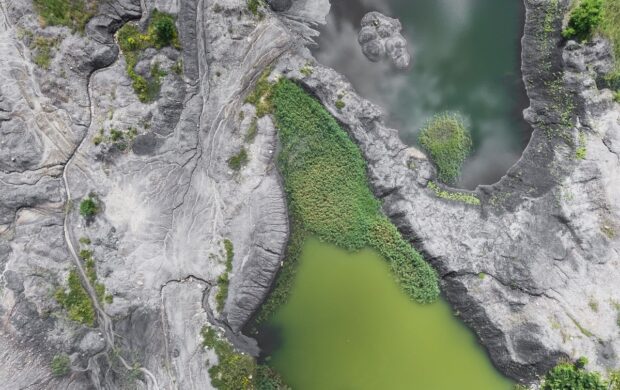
<point>380,38</point>
<point>533,269</point>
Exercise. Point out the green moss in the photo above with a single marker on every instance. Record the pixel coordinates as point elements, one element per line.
<point>567,376</point>
<point>60,365</point>
<point>448,142</point>
<point>237,371</point>
<point>76,301</point>
<point>161,32</point>
<point>223,281</point>
<point>306,70</point>
<point>69,13</point>
<point>584,20</point>
<point>88,207</point>
<point>239,160</point>
<point>340,104</point>
<point>453,196</point>
<point>329,196</point>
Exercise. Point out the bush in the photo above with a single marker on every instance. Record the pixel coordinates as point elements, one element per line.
<point>237,371</point>
<point>70,13</point>
<point>76,300</point>
<point>61,365</point>
<point>88,207</point>
<point>161,32</point>
<point>566,376</point>
<point>448,142</point>
<point>584,19</point>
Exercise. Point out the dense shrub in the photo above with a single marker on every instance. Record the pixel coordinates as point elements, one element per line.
<point>448,142</point>
<point>60,365</point>
<point>584,19</point>
<point>566,376</point>
<point>161,32</point>
<point>70,13</point>
<point>88,207</point>
<point>237,371</point>
<point>329,197</point>
<point>76,300</point>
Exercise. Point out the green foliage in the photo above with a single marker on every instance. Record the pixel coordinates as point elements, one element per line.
<point>177,68</point>
<point>223,280</point>
<point>340,104</point>
<point>566,376</point>
<point>328,193</point>
<point>161,32</point>
<point>239,160</point>
<point>76,300</point>
<point>88,207</point>
<point>60,365</point>
<point>119,138</point>
<point>254,6</point>
<point>84,240</point>
<point>261,96</point>
<point>70,13</point>
<point>610,28</point>
<point>584,20</point>
<point>448,142</point>
<point>453,196</point>
<point>237,371</point>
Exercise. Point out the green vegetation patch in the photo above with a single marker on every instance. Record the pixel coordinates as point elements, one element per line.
<point>60,365</point>
<point>452,195</point>
<point>567,376</point>
<point>237,371</point>
<point>255,7</point>
<point>610,28</point>
<point>261,96</point>
<point>76,301</point>
<point>161,32</point>
<point>329,196</point>
<point>584,20</point>
<point>239,160</point>
<point>122,139</point>
<point>91,273</point>
<point>89,207</point>
<point>223,281</point>
<point>69,13</point>
<point>448,142</point>
<point>43,49</point>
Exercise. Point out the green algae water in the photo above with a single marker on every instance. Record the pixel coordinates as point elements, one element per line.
<point>347,325</point>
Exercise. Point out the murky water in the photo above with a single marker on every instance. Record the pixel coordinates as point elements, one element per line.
<point>466,58</point>
<point>347,325</point>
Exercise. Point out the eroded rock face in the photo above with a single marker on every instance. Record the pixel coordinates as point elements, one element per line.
<point>380,38</point>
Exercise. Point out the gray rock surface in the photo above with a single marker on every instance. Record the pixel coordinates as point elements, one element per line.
<point>380,38</point>
<point>544,237</point>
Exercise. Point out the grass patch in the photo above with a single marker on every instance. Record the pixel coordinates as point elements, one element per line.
<point>255,7</point>
<point>252,131</point>
<point>448,142</point>
<point>122,139</point>
<point>60,365</point>
<point>223,281</point>
<point>161,32</point>
<point>43,51</point>
<point>239,160</point>
<point>69,13</point>
<point>339,104</point>
<point>584,20</point>
<point>91,273</point>
<point>237,371</point>
<point>76,301</point>
<point>329,196</point>
<point>453,196</point>
<point>610,28</point>
<point>261,96</point>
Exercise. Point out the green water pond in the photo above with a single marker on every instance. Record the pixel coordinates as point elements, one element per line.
<point>347,325</point>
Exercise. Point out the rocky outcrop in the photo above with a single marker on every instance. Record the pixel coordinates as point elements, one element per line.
<point>380,37</point>
<point>533,268</point>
